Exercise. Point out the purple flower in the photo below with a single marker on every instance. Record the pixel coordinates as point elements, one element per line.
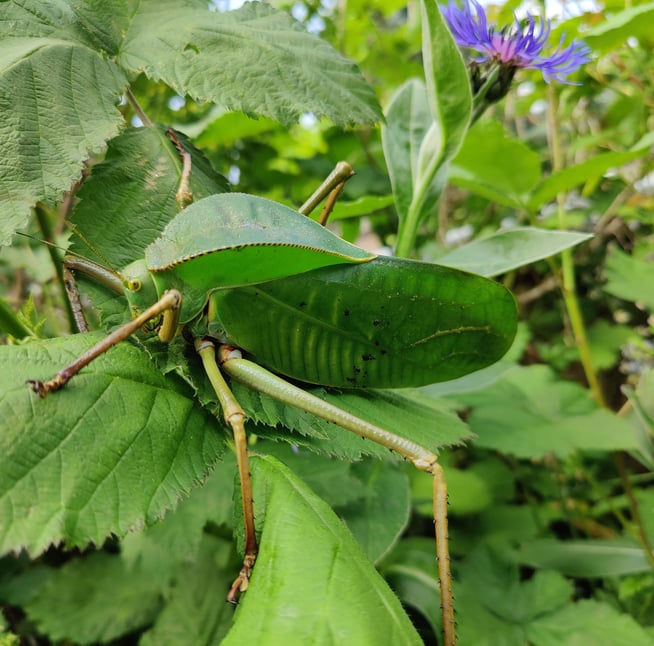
<point>519,46</point>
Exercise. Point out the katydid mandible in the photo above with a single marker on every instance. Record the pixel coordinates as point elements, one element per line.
<point>247,274</point>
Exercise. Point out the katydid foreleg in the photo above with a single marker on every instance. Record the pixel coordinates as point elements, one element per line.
<point>258,378</point>
<point>168,304</point>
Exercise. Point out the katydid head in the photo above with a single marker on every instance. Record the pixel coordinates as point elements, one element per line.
<point>140,290</point>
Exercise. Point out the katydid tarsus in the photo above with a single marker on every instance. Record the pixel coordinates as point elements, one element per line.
<point>241,274</point>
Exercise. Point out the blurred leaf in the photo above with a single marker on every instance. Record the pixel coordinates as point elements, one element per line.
<point>363,206</point>
<point>572,176</point>
<point>510,249</point>
<point>307,559</point>
<point>629,278</point>
<point>115,448</point>
<point>528,413</point>
<point>585,559</point>
<point>495,608</point>
<point>378,519</point>
<point>614,30</point>
<point>72,602</point>
<point>409,570</point>
<point>587,622</point>
<point>283,71</point>
<point>196,612</point>
<point>605,340</point>
<point>476,165</point>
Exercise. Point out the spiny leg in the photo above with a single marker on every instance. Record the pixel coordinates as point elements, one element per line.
<point>170,302</point>
<point>258,378</point>
<point>235,417</point>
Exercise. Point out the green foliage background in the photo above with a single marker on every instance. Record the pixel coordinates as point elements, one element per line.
<point>551,504</point>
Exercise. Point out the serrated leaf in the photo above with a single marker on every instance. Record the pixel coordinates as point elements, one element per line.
<point>507,250</point>
<point>114,449</point>
<point>46,141</point>
<point>306,560</point>
<point>547,416</point>
<point>130,196</point>
<point>255,59</point>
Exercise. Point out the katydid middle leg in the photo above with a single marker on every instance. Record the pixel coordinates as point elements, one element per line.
<point>258,378</point>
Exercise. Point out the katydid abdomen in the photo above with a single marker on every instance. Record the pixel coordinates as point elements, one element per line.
<point>388,323</point>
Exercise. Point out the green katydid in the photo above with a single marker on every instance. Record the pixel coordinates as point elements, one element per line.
<point>251,275</point>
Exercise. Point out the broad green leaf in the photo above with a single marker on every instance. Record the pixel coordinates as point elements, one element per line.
<point>114,449</point>
<point>195,610</point>
<point>255,59</point>
<point>547,416</point>
<point>587,622</point>
<point>606,340</point>
<point>507,250</point>
<point>630,278</point>
<point>46,141</point>
<point>378,519</point>
<point>628,22</point>
<point>408,120</point>
<point>362,206</point>
<point>448,84</point>
<point>586,559</point>
<point>476,165</point>
<point>130,196</point>
<point>73,602</point>
<point>311,574</point>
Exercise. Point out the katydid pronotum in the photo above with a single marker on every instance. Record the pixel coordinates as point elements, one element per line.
<point>240,274</point>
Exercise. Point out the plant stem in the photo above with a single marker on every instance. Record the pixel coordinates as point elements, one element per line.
<point>10,323</point>
<point>42,217</point>
<point>568,284</point>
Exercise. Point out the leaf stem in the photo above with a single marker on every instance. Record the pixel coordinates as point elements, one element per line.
<point>568,283</point>
<point>140,113</point>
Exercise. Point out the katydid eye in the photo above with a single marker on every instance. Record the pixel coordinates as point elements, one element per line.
<point>134,285</point>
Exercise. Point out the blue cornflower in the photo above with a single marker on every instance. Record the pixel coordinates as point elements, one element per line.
<point>514,47</point>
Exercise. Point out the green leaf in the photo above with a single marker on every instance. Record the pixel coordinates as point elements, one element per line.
<point>307,559</point>
<point>495,608</point>
<point>629,278</point>
<point>378,519</point>
<point>409,570</point>
<point>195,611</point>
<point>587,622</point>
<point>363,206</point>
<point>572,176</point>
<point>476,165</point>
<point>586,559</point>
<point>448,84</point>
<point>46,141</point>
<point>546,416</point>
<point>72,602</point>
<point>130,196</point>
<point>255,59</point>
<point>507,250</point>
<point>115,448</point>
<point>613,30</point>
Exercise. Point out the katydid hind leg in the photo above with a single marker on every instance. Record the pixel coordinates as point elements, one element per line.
<point>330,188</point>
<point>258,378</point>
